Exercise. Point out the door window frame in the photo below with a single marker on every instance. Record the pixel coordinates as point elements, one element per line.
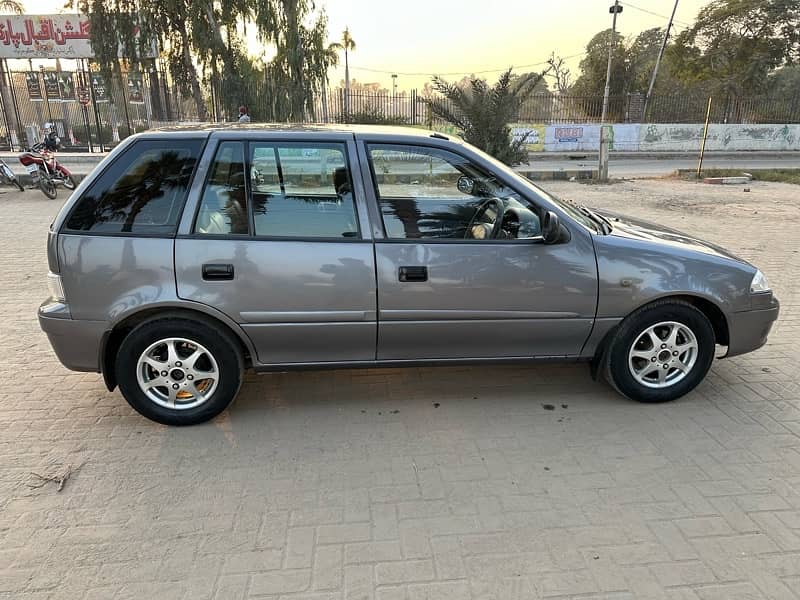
<point>376,211</point>
<point>127,151</point>
<point>288,138</point>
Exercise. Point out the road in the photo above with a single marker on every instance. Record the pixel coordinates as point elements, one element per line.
<point>649,167</point>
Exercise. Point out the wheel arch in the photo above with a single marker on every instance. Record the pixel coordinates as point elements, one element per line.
<point>709,308</point>
<point>113,338</point>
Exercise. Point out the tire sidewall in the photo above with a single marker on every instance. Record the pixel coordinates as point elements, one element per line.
<point>224,351</point>
<point>633,327</point>
<point>47,186</point>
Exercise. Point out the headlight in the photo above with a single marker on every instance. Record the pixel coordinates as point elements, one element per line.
<point>759,283</point>
<point>56,287</point>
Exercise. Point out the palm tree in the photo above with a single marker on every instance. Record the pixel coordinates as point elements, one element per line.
<point>329,58</point>
<point>348,44</point>
<point>483,113</point>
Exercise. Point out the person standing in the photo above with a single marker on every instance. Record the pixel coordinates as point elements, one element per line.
<point>244,117</point>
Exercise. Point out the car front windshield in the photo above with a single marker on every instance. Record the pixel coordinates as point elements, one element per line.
<point>567,206</point>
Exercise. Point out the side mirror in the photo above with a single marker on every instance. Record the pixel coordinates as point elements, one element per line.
<point>465,185</point>
<point>551,228</point>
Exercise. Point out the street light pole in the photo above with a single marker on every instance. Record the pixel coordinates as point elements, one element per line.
<point>614,10</point>
<point>605,131</point>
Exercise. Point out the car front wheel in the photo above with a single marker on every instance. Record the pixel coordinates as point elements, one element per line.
<point>178,371</point>
<point>660,352</point>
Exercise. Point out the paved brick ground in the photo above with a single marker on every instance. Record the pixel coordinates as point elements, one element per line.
<point>413,484</point>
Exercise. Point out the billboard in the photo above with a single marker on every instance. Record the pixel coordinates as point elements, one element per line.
<point>48,36</point>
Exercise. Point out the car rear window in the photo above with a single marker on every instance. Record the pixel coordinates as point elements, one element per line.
<point>142,192</point>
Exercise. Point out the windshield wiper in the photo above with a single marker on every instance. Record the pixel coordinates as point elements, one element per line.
<point>605,224</point>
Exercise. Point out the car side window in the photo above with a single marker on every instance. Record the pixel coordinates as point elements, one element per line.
<point>223,206</point>
<point>142,192</point>
<point>302,190</point>
<point>430,193</point>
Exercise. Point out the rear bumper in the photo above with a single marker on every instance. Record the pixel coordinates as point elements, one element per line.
<point>749,330</point>
<point>77,344</point>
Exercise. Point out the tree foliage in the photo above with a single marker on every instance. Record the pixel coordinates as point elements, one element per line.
<point>631,66</point>
<point>201,41</point>
<point>734,44</point>
<point>483,113</point>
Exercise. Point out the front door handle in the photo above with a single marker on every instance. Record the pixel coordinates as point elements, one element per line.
<point>413,274</point>
<point>214,272</point>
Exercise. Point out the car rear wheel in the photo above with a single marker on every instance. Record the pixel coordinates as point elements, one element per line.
<point>660,352</point>
<point>178,371</point>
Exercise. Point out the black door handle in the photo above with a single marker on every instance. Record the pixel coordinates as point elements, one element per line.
<point>413,274</point>
<point>217,272</point>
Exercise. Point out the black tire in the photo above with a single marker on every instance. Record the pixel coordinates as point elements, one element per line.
<point>17,184</point>
<point>617,368</point>
<point>70,183</point>
<point>219,343</point>
<point>47,186</point>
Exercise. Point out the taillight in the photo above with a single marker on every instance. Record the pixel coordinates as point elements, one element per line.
<point>56,287</point>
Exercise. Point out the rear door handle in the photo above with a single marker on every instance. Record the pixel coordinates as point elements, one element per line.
<point>413,274</point>
<point>213,272</point>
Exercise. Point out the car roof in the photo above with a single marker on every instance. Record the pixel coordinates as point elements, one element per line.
<point>355,129</point>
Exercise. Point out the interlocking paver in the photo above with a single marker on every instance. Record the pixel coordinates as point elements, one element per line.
<point>312,486</point>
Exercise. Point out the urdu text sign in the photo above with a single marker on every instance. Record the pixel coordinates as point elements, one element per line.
<point>45,36</point>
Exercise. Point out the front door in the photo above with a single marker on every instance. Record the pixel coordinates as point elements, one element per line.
<point>454,284</point>
<point>276,243</point>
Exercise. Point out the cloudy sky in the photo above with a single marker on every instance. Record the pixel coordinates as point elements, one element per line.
<point>416,38</point>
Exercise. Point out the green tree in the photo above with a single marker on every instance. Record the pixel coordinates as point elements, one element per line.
<point>483,113</point>
<point>734,44</point>
<point>785,82</point>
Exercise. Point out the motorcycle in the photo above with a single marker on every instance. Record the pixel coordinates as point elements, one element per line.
<point>45,171</point>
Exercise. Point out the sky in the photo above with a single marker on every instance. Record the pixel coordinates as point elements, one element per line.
<point>417,38</point>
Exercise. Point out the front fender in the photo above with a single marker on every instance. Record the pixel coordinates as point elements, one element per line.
<point>632,273</point>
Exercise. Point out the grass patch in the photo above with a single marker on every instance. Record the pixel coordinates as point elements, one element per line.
<point>779,175</point>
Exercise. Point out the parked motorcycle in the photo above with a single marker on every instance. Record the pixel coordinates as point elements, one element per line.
<point>8,176</point>
<point>45,171</point>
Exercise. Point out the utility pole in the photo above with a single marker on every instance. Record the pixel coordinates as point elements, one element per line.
<point>605,133</point>
<point>658,60</point>
<point>394,84</point>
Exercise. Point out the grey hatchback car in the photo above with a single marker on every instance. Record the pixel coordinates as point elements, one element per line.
<point>192,254</point>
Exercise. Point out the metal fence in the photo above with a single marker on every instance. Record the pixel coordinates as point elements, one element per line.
<point>88,116</point>
<point>410,108</point>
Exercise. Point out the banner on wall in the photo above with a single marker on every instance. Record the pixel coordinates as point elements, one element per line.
<point>51,89</point>
<point>135,88</point>
<point>99,87</point>
<point>66,87</point>
<point>535,140</point>
<point>34,88</point>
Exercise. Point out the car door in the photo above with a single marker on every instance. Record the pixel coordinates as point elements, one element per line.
<point>275,240</point>
<point>444,294</point>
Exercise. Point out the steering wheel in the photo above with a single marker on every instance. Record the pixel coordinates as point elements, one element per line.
<point>497,226</point>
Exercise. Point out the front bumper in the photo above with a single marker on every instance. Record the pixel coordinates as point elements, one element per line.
<point>77,344</point>
<point>748,330</point>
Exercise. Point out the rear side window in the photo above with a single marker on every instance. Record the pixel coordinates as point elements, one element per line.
<point>291,190</point>
<point>142,192</point>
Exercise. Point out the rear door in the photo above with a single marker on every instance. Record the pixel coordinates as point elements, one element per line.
<point>277,239</point>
